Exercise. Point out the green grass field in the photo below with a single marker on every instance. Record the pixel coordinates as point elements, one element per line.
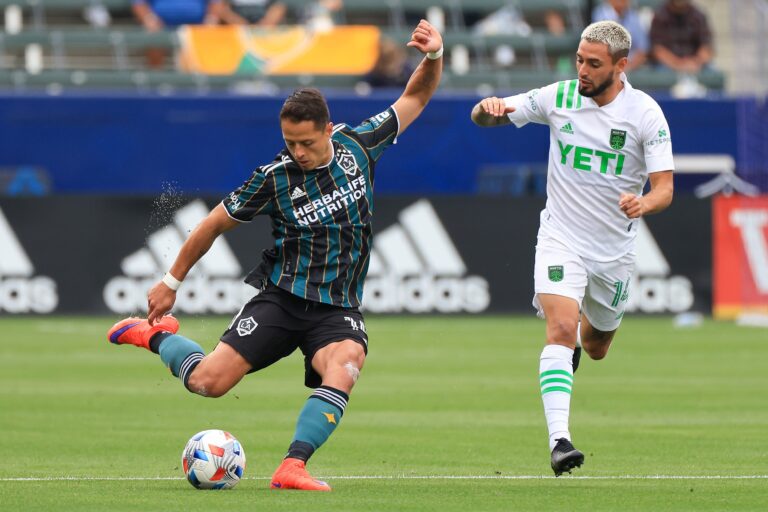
<point>446,416</point>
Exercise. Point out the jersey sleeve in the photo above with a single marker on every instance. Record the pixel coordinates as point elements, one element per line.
<point>530,107</point>
<point>379,132</point>
<point>657,142</point>
<point>254,197</point>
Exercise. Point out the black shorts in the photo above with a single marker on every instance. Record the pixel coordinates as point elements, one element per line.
<point>275,323</point>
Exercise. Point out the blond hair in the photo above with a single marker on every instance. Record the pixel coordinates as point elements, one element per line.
<point>609,33</point>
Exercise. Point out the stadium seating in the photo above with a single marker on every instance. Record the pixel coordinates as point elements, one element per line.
<point>76,54</point>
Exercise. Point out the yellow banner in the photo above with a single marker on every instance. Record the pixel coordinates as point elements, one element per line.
<point>227,50</point>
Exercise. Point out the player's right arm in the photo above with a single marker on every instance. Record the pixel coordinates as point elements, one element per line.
<point>253,197</point>
<point>521,109</point>
<point>161,298</point>
<point>491,112</point>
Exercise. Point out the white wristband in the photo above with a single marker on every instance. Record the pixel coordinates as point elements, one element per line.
<point>435,55</point>
<point>171,282</point>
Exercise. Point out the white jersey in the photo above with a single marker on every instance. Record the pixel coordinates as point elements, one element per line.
<point>595,155</point>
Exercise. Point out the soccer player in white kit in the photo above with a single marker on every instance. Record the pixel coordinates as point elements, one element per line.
<point>606,140</point>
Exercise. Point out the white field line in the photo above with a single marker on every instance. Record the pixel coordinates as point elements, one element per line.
<point>401,477</point>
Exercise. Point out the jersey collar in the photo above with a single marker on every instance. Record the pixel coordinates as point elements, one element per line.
<point>617,99</point>
<point>333,155</point>
<point>623,78</point>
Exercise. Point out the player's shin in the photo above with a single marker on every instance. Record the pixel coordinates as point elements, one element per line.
<point>181,355</point>
<point>556,381</point>
<point>318,419</point>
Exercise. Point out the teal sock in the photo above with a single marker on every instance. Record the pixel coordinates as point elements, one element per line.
<point>318,419</point>
<point>181,355</point>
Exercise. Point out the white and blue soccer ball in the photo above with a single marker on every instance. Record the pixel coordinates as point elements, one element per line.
<point>213,459</point>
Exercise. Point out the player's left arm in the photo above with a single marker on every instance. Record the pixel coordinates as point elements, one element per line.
<point>656,141</point>
<point>656,200</point>
<point>425,79</point>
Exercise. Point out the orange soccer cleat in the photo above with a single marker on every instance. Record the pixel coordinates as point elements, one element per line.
<point>137,331</point>
<point>293,475</point>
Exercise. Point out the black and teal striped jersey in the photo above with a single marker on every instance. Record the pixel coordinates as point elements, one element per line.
<point>321,219</point>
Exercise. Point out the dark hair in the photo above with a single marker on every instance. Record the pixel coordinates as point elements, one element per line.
<point>306,104</point>
<point>619,54</point>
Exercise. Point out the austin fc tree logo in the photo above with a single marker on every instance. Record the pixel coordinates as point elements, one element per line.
<point>555,273</point>
<point>618,138</point>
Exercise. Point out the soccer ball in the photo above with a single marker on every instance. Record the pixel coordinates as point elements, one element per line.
<point>213,459</point>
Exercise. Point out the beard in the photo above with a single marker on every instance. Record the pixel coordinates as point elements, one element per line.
<point>598,90</point>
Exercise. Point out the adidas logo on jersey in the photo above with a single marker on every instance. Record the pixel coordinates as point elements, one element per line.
<point>20,290</point>
<point>297,193</point>
<point>415,267</point>
<point>652,289</point>
<point>213,285</point>
<point>567,128</point>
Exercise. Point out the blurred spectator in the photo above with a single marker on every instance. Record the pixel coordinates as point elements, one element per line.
<point>507,20</point>
<point>680,37</point>
<point>322,15</point>
<point>554,22</point>
<point>155,15</point>
<point>392,68</point>
<point>318,15</point>
<point>97,15</point>
<point>265,13</point>
<point>622,12</point>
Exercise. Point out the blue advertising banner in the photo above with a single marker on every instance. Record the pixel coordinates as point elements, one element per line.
<point>136,144</point>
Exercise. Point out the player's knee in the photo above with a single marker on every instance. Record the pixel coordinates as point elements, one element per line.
<point>596,353</point>
<point>349,358</point>
<point>353,370</point>
<point>562,331</point>
<point>205,384</point>
<point>350,353</point>
<point>597,343</point>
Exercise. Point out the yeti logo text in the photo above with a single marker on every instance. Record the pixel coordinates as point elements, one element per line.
<point>581,159</point>
<point>20,290</point>
<point>246,326</point>
<point>213,285</point>
<point>415,267</point>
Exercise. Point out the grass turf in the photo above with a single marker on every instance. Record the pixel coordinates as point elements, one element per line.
<point>438,397</point>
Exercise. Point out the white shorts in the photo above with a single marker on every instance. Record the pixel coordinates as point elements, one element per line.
<point>600,288</point>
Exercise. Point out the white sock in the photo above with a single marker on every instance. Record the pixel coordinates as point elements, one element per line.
<point>556,380</point>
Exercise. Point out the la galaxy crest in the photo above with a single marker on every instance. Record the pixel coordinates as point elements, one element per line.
<point>346,160</point>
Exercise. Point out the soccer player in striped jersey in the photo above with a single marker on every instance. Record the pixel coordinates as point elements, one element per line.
<point>318,192</point>
<point>606,140</point>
